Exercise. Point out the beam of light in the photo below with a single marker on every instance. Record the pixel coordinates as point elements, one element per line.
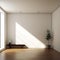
<point>24,37</point>
<point>2,30</point>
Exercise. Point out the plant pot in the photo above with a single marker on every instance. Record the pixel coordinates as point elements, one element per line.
<point>48,46</point>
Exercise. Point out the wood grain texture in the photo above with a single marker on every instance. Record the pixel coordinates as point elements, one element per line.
<point>29,54</point>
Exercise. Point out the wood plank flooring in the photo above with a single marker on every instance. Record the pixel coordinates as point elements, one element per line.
<point>29,54</point>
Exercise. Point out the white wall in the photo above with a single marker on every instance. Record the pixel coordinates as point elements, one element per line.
<point>0,30</point>
<point>56,29</point>
<point>5,28</point>
<point>36,24</point>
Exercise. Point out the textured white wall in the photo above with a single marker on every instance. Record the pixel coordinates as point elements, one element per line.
<point>36,24</point>
<point>56,29</point>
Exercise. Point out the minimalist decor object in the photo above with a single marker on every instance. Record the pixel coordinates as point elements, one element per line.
<point>9,44</point>
<point>48,38</point>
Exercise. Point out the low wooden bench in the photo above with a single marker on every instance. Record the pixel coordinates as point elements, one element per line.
<point>15,46</point>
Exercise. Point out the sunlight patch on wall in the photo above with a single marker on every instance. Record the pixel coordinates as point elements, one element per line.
<point>24,37</point>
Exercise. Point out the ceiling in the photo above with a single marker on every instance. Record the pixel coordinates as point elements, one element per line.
<point>29,6</point>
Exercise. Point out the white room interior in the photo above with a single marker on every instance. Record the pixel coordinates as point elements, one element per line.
<point>27,21</point>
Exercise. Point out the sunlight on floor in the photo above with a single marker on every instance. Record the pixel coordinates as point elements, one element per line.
<point>24,37</point>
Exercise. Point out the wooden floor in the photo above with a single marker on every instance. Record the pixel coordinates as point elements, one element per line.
<point>29,54</point>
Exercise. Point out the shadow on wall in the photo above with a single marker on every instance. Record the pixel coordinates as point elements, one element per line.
<point>24,37</point>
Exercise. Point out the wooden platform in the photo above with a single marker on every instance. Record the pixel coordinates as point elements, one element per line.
<point>9,46</point>
<point>29,54</point>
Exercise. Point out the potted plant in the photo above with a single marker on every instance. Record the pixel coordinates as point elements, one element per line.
<point>48,38</point>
